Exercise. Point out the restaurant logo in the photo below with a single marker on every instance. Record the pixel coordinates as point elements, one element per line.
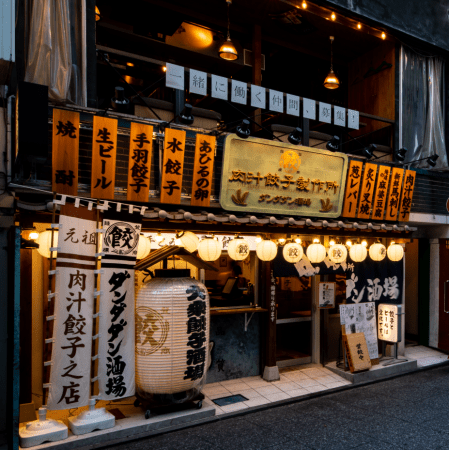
<point>151,331</point>
<point>290,161</point>
<point>121,237</point>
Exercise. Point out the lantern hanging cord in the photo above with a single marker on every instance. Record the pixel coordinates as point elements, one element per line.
<point>229,5</point>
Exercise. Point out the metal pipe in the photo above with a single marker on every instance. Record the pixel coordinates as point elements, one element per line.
<point>83,54</point>
<point>8,163</point>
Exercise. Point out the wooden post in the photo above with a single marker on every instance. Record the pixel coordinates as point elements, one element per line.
<point>257,70</point>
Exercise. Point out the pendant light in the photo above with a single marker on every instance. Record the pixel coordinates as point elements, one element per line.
<point>189,240</point>
<point>358,252</point>
<point>227,50</point>
<point>238,249</point>
<point>377,251</point>
<point>266,250</point>
<point>293,252</point>
<point>395,252</point>
<point>337,253</point>
<point>209,249</point>
<point>331,81</point>
<point>316,252</point>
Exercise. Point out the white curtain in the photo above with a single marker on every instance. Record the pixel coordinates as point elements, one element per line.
<point>54,54</point>
<point>423,108</point>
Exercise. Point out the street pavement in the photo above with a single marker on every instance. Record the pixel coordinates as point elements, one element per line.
<point>408,412</point>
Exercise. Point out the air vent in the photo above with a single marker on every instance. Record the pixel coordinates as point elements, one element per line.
<point>247,58</point>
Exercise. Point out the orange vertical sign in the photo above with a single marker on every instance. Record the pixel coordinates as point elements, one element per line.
<point>352,188</point>
<point>104,150</point>
<point>407,195</point>
<point>172,166</point>
<point>394,194</point>
<point>381,192</point>
<point>65,148</point>
<point>202,170</point>
<point>367,191</point>
<point>140,151</point>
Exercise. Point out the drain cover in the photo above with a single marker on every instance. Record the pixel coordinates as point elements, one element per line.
<point>223,401</point>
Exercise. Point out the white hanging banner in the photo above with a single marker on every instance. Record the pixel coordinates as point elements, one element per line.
<point>293,103</point>
<point>116,363</point>
<point>309,109</point>
<point>353,119</point>
<point>219,87</point>
<point>325,112</point>
<point>339,116</point>
<point>238,93</point>
<point>174,77</point>
<point>276,101</point>
<point>258,96</point>
<point>198,82</point>
<point>74,297</point>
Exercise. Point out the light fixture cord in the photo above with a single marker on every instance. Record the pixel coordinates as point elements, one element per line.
<point>332,56</point>
<point>229,36</point>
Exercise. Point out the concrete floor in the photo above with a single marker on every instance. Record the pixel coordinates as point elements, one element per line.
<point>408,412</point>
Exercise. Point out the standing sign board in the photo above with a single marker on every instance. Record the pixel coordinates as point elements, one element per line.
<point>357,352</point>
<point>390,323</point>
<point>326,295</point>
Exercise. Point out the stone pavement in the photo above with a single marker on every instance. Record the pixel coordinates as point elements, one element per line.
<point>408,412</point>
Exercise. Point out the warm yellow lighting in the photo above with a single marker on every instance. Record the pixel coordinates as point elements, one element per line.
<point>228,51</point>
<point>97,14</point>
<point>298,241</point>
<point>130,64</point>
<point>331,81</point>
<point>164,69</point>
<point>238,249</point>
<point>258,239</point>
<point>281,241</point>
<point>383,36</point>
<point>34,235</point>
<point>331,243</point>
<point>333,16</point>
<point>202,38</point>
<point>316,240</point>
<point>365,244</point>
<point>304,5</point>
<point>159,237</point>
<point>348,243</point>
<point>359,26</point>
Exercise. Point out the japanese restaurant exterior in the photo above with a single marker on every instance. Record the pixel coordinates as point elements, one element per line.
<point>179,247</point>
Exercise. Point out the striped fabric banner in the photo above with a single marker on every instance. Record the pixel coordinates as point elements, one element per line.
<point>116,363</point>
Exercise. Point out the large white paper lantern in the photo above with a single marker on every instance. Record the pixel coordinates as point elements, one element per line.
<point>293,252</point>
<point>209,249</point>
<point>395,252</point>
<point>377,252</point>
<point>44,241</point>
<point>238,249</point>
<point>338,253</point>
<point>172,336</point>
<point>190,241</point>
<point>144,247</point>
<point>358,253</point>
<point>266,250</point>
<point>316,253</point>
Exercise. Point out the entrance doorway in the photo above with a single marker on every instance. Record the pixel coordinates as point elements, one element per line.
<point>294,321</point>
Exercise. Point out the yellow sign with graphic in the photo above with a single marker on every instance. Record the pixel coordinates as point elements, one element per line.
<point>279,178</point>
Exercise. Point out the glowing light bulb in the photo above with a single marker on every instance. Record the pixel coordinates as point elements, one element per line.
<point>164,69</point>
<point>316,241</point>
<point>130,64</point>
<point>304,5</point>
<point>34,235</point>
<point>348,243</point>
<point>281,241</point>
<point>331,243</point>
<point>359,26</point>
<point>258,239</point>
<point>365,244</point>
<point>159,237</point>
<point>383,35</point>
<point>298,241</point>
<point>333,16</point>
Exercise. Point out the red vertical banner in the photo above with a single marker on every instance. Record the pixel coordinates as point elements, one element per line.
<point>172,165</point>
<point>352,188</point>
<point>202,170</point>
<point>65,149</point>
<point>104,150</point>
<point>140,152</point>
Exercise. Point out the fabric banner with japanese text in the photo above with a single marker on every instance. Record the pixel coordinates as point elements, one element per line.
<point>116,363</point>
<point>74,294</point>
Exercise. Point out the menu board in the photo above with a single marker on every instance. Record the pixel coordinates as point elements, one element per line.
<point>326,295</point>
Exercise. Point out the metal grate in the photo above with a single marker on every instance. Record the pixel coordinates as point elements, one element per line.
<point>223,401</point>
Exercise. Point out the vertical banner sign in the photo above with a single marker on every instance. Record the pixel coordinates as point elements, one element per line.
<point>116,364</point>
<point>104,150</point>
<point>66,139</point>
<point>407,195</point>
<point>202,170</point>
<point>172,166</point>
<point>381,192</point>
<point>367,191</point>
<point>352,188</point>
<point>74,295</point>
<point>394,194</point>
<point>140,151</point>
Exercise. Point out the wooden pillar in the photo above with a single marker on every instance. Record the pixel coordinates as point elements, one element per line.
<point>257,70</point>
<point>268,287</point>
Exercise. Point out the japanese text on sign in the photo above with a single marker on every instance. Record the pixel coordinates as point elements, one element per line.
<point>352,188</point>
<point>367,191</point>
<point>203,170</point>
<point>381,192</point>
<point>407,195</point>
<point>394,194</point>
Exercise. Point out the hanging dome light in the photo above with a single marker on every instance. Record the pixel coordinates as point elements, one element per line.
<point>227,50</point>
<point>331,81</point>
<point>338,253</point>
<point>316,252</point>
<point>209,249</point>
<point>358,252</point>
<point>266,250</point>
<point>395,252</point>
<point>144,247</point>
<point>377,252</point>
<point>258,239</point>
<point>44,241</point>
<point>238,249</point>
<point>189,240</point>
<point>293,252</point>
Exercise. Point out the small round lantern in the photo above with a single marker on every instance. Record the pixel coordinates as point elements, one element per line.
<point>358,253</point>
<point>316,252</point>
<point>144,247</point>
<point>209,249</point>
<point>266,250</point>
<point>293,252</point>
<point>395,252</point>
<point>338,253</point>
<point>377,252</point>
<point>190,241</point>
<point>238,249</point>
<point>44,241</point>
<point>172,335</point>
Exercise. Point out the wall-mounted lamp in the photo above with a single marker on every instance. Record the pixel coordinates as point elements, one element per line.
<point>295,136</point>
<point>334,144</point>
<point>243,131</point>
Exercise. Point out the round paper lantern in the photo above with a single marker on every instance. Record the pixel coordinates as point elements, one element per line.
<point>338,253</point>
<point>209,249</point>
<point>377,252</point>
<point>395,252</point>
<point>316,253</point>
<point>238,249</point>
<point>190,241</point>
<point>293,252</point>
<point>172,335</point>
<point>144,247</point>
<point>358,253</point>
<point>44,241</point>
<point>266,250</point>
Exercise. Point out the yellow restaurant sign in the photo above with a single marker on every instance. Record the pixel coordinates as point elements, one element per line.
<point>274,177</point>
